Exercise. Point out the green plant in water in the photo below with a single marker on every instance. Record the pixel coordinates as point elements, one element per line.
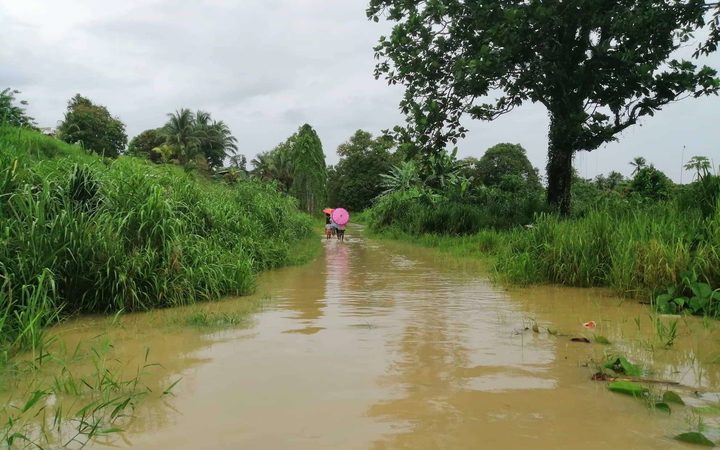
<point>666,333</point>
<point>693,295</point>
<point>206,319</point>
<point>620,365</point>
<point>71,409</point>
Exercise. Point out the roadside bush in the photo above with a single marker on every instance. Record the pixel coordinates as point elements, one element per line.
<point>80,233</point>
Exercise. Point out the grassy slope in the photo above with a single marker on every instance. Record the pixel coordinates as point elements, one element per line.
<point>79,233</point>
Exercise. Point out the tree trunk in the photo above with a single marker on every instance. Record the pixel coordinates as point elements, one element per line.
<point>561,147</point>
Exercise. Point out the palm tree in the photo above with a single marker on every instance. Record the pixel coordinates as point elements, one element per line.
<point>701,166</point>
<point>261,166</point>
<point>182,134</point>
<point>638,163</point>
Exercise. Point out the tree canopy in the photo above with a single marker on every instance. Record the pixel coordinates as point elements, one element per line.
<point>143,144</point>
<point>197,138</point>
<point>502,161</point>
<point>12,110</point>
<point>651,183</point>
<point>93,127</point>
<point>298,166</point>
<point>357,178</point>
<point>597,67</point>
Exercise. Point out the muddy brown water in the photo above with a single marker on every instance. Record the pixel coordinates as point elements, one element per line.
<point>381,345</point>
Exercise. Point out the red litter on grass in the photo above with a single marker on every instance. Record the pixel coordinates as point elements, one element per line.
<point>590,325</point>
<point>340,216</point>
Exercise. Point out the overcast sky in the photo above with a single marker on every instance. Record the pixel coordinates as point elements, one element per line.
<point>265,67</point>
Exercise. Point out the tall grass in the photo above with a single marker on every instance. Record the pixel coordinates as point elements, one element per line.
<point>636,247</point>
<point>79,233</point>
<point>635,252</point>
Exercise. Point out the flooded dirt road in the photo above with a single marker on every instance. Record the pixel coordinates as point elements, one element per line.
<point>379,345</point>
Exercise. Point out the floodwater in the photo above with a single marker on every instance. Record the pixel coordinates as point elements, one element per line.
<point>380,345</point>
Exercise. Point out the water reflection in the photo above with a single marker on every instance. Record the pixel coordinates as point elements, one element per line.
<point>386,346</point>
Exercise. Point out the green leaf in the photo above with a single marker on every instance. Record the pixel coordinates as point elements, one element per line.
<point>662,406</point>
<point>628,388</point>
<point>672,397</point>
<point>34,398</point>
<point>702,290</point>
<point>694,437</point>
<point>681,301</point>
<point>621,365</point>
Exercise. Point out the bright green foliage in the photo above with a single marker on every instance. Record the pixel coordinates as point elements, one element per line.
<point>506,166</point>
<point>596,66</point>
<point>690,294</point>
<point>83,234</point>
<point>620,364</point>
<point>650,183</point>
<point>12,111</point>
<point>143,144</point>
<point>636,252</point>
<point>356,179</point>
<point>298,166</point>
<point>628,388</point>
<point>435,196</point>
<point>92,127</point>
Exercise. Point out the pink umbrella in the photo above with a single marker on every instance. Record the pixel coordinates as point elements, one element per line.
<point>340,216</point>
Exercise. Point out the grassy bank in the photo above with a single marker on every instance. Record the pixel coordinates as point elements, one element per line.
<point>639,252</point>
<point>80,233</point>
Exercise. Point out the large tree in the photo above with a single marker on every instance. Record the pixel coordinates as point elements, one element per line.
<point>507,160</point>
<point>597,66</point>
<point>298,166</point>
<point>181,133</point>
<point>93,127</point>
<point>309,172</point>
<point>357,178</point>
<point>216,141</point>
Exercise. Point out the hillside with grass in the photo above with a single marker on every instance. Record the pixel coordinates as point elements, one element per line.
<point>80,233</point>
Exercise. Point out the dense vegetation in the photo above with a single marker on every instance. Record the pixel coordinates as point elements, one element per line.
<point>642,237</point>
<point>356,180</point>
<point>298,167</point>
<point>92,127</point>
<point>81,233</point>
<point>597,68</point>
<point>442,194</point>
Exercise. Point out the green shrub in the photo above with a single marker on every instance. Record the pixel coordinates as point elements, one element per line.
<point>80,233</point>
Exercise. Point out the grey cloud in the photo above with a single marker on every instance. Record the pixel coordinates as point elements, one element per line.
<point>265,67</point>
